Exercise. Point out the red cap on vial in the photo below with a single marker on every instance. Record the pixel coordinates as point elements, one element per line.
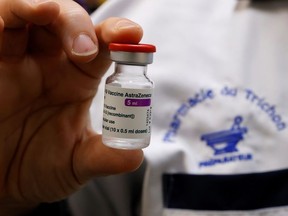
<point>132,53</point>
<point>146,48</point>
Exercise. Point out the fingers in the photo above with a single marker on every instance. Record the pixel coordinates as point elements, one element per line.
<point>66,19</point>
<point>76,31</point>
<point>92,158</point>
<point>16,13</point>
<point>113,29</point>
<point>119,30</point>
<point>71,24</point>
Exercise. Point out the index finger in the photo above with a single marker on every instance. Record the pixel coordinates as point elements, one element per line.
<point>66,19</point>
<point>17,13</point>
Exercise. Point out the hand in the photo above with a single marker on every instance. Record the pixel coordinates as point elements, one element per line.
<point>51,61</point>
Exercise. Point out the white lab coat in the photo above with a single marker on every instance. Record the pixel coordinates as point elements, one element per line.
<point>220,123</point>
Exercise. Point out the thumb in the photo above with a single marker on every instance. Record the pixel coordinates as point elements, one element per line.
<point>92,158</point>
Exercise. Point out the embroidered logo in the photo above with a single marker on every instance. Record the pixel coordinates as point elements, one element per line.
<point>225,141</point>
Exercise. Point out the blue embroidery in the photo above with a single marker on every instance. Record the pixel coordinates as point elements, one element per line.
<point>267,108</point>
<point>225,141</point>
<point>205,95</point>
<point>226,159</point>
<point>200,97</point>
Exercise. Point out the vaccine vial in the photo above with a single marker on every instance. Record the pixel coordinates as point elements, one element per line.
<point>128,94</point>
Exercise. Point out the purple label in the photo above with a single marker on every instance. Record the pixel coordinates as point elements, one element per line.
<point>137,102</point>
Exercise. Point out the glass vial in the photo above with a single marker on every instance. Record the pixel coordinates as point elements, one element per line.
<point>128,94</point>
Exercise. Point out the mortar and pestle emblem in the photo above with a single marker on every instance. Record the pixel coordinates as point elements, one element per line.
<point>225,141</point>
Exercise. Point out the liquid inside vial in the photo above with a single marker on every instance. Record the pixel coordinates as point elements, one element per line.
<point>125,143</point>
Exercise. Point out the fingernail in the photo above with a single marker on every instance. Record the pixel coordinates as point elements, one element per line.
<point>39,1</point>
<point>84,46</point>
<point>125,24</point>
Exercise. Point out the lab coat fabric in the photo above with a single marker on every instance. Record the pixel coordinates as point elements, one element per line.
<point>219,133</point>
